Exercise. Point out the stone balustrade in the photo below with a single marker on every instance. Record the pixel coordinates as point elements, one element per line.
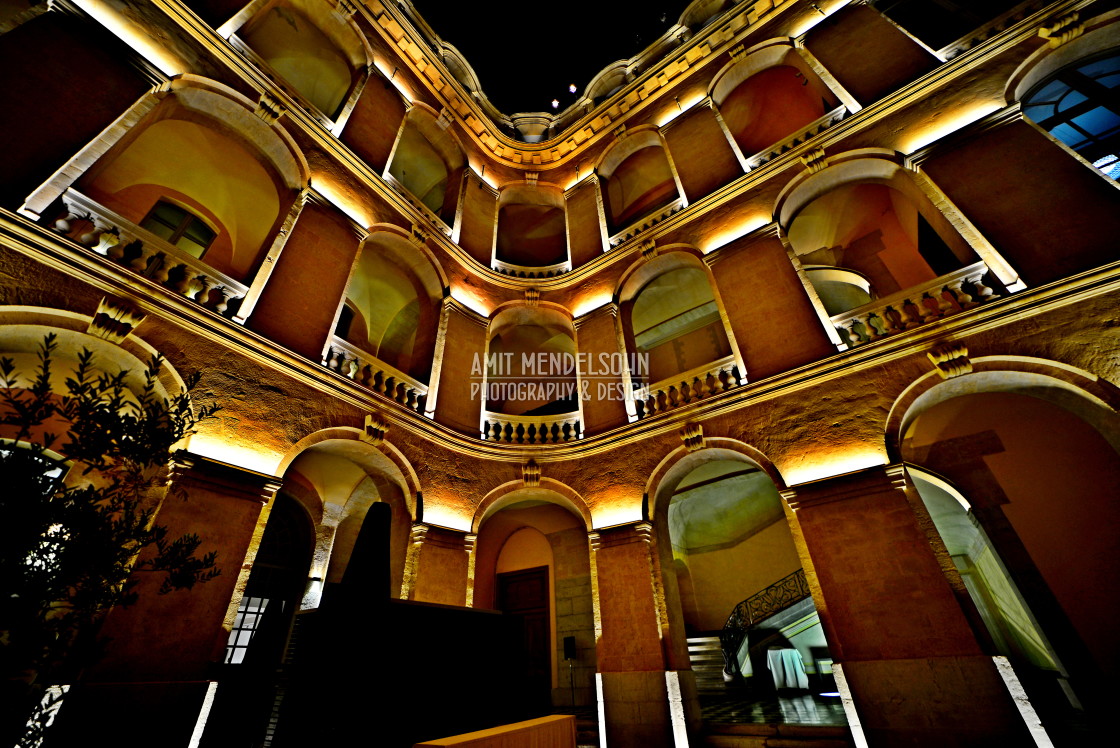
<point>648,222</point>
<point>498,427</point>
<point>948,295</point>
<point>814,128</point>
<point>523,271</point>
<point>700,383</point>
<point>354,363</point>
<point>108,234</point>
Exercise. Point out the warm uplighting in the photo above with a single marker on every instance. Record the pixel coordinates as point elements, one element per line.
<point>945,124</point>
<point>394,78</point>
<point>445,516</point>
<point>349,204</point>
<point>723,238</point>
<point>145,45</point>
<point>678,107</point>
<point>255,458</point>
<point>590,303</point>
<point>615,515</point>
<point>814,467</point>
<point>471,300</point>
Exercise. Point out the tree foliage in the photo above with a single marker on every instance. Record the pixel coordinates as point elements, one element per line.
<point>82,471</point>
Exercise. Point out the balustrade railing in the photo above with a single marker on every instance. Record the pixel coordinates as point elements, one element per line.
<point>813,128</point>
<point>648,222</point>
<point>784,593</point>
<point>700,383</point>
<point>948,295</point>
<point>354,363</point>
<point>93,225</point>
<point>524,271</point>
<point>497,427</point>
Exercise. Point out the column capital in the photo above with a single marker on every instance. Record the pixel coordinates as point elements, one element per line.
<point>633,532</point>
<point>879,479</point>
<point>188,468</point>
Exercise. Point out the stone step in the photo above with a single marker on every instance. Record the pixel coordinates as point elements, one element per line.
<point>776,736</point>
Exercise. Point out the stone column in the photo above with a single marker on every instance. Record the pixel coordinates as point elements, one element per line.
<point>438,565</point>
<point>160,651</point>
<point>916,672</point>
<point>605,406</point>
<point>641,703</point>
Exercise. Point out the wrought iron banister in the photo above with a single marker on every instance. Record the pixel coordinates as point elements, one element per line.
<point>784,593</point>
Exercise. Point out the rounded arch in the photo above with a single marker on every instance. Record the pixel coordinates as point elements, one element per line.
<point>608,81</point>
<point>637,178</point>
<point>1101,34</point>
<point>391,306</point>
<point>321,53</point>
<point>428,161</point>
<point>549,490</point>
<point>531,225</point>
<point>518,336</point>
<point>676,465</point>
<point>874,165</point>
<point>644,136</point>
<point>672,257</point>
<point>1092,399</point>
<point>202,173</point>
<point>392,461</point>
<point>700,13</point>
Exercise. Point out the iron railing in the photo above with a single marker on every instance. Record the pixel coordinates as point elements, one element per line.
<point>784,593</point>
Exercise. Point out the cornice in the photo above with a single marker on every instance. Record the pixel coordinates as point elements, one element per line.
<point>943,75</point>
<point>47,248</point>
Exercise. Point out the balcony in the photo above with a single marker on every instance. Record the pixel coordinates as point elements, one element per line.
<point>691,386</point>
<point>557,429</point>
<point>110,235</point>
<point>363,368</point>
<point>797,138</point>
<point>915,307</point>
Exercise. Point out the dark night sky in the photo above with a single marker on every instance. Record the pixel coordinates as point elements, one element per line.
<point>526,54</point>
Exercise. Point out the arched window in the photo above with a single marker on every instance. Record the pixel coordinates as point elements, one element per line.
<point>315,52</point>
<point>391,309</point>
<point>1080,106</point>
<point>765,106</point>
<point>877,231</point>
<point>428,163</point>
<point>637,180</point>
<point>532,228</point>
<point>675,321</point>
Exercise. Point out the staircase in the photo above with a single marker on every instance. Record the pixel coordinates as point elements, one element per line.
<point>707,663</point>
<point>775,736</point>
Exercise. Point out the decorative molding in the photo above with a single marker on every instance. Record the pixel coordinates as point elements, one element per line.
<point>1062,30</point>
<point>609,537</point>
<point>375,429</point>
<point>115,319</point>
<point>861,484</point>
<point>419,235</point>
<point>814,160</point>
<point>951,360</point>
<point>188,468</point>
<point>269,109</point>
<point>692,434</point>
<point>532,297</point>
<point>531,474</point>
<point>649,249</point>
<point>737,52</point>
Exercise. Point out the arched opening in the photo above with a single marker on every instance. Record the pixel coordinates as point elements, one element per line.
<point>531,363</point>
<point>733,574</point>
<point>1079,104</point>
<point>428,163</point>
<point>532,228</point>
<point>1039,483</point>
<point>200,185</point>
<point>885,233</point>
<point>673,322</point>
<point>316,53</point>
<point>391,308</point>
<point>533,563</point>
<point>247,692</point>
<point>771,104</point>
<point>637,180</point>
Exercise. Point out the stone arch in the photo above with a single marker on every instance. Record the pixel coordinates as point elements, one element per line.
<point>532,227</point>
<point>517,330</point>
<point>676,274</point>
<point>1102,33</point>
<point>1094,400</point>
<point>637,178</point>
<point>774,75</point>
<point>339,53</point>
<point>558,493</point>
<point>391,305</point>
<point>436,158</point>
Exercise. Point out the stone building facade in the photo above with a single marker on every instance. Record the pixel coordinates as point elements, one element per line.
<point>838,278</point>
